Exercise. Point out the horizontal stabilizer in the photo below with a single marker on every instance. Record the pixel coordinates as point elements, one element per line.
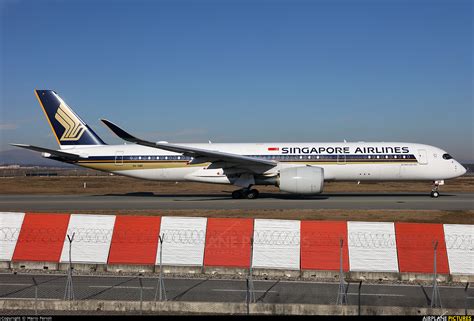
<point>63,155</point>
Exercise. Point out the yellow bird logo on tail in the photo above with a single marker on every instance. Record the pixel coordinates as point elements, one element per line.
<point>73,128</point>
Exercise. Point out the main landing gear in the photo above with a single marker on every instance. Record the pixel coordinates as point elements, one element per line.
<point>435,189</point>
<point>245,193</point>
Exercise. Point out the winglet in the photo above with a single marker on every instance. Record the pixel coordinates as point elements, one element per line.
<point>119,131</point>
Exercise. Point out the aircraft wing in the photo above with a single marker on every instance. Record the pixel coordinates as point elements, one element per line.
<point>62,155</point>
<point>200,155</point>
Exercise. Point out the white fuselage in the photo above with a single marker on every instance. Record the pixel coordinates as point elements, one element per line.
<point>340,161</point>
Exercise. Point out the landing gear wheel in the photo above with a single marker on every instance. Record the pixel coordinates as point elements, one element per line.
<point>435,189</point>
<point>252,194</point>
<point>237,194</point>
<point>245,193</point>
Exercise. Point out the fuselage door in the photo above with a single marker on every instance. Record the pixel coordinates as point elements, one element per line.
<point>119,158</point>
<point>422,158</point>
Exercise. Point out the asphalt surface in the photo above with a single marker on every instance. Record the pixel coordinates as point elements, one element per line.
<point>213,290</point>
<point>144,201</point>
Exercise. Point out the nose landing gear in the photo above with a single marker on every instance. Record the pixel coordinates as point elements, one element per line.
<point>435,190</point>
<point>245,193</point>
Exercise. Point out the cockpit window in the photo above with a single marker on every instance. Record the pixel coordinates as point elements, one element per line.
<point>447,156</point>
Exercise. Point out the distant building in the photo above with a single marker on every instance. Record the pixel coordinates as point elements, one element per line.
<point>10,167</point>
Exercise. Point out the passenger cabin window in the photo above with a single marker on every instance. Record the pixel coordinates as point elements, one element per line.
<point>447,156</point>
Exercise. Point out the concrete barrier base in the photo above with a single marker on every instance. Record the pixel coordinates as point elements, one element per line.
<point>380,276</point>
<point>180,269</point>
<point>216,308</point>
<point>30,265</point>
<point>83,267</point>
<point>129,268</point>
<point>219,270</point>
<point>273,273</point>
<point>413,277</point>
<point>237,272</point>
<point>462,278</point>
<point>321,275</point>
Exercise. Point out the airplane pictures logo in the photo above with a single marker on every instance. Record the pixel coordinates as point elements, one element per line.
<point>73,128</point>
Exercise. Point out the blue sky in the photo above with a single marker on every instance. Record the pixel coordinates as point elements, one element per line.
<point>244,71</point>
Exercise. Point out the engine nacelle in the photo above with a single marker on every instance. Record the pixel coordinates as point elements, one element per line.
<point>302,180</point>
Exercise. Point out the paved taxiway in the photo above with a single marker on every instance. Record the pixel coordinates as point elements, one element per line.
<point>144,201</point>
<point>214,290</point>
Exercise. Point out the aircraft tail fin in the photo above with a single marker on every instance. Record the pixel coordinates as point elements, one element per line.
<point>68,128</point>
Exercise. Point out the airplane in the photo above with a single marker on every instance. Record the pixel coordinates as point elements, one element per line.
<point>299,168</point>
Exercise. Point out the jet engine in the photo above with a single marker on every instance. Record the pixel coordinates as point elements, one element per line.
<point>301,180</point>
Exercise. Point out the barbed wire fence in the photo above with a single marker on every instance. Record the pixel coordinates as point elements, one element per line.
<point>263,237</point>
<point>142,290</point>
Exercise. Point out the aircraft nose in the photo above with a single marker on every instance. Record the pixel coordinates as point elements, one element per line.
<point>462,169</point>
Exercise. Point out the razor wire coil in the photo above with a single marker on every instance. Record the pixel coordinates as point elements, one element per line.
<point>260,238</point>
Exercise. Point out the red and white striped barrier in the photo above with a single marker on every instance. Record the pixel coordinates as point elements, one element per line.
<point>92,238</point>
<point>184,240</point>
<point>11,224</point>
<point>226,242</point>
<point>365,254</point>
<point>135,240</point>
<point>41,237</point>
<point>321,245</point>
<point>415,243</point>
<point>460,258</point>
<point>276,244</point>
